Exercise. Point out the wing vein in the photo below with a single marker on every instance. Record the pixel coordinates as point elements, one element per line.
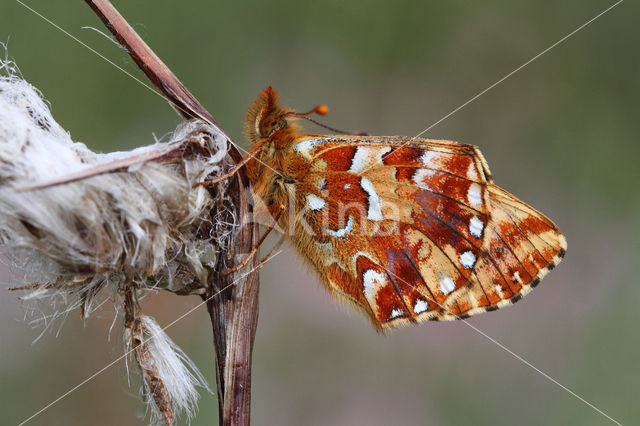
<point>515,223</point>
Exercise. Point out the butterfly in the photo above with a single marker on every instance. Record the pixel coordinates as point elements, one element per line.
<point>404,229</point>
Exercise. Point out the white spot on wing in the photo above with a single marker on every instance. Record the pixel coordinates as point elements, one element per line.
<point>344,231</point>
<point>516,277</point>
<point>429,158</point>
<point>476,226</point>
<point>372,279</point>
<point>366,156</point>
<point>375,212</point>
<point>420,306</point>
<point>471,171</point>
<point>359,160</point>
<point>420,177</point>
<point>474,195</point>
<point>396,313</point>
<point>468,259</point>
<point>306,147</point>
<point>314,202</point>
<point>347,185</point>
<point>447,285</point>
<point>321,184</point>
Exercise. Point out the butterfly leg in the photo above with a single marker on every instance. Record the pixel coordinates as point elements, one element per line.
<point>251,154</point>
<point>272,252</point>
<point>225,176</point>
<point>277,209</point>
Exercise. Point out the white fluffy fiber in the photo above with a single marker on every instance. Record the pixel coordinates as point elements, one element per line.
<point>143,228</point>
<point>178,373</point>
<point>147,226</point>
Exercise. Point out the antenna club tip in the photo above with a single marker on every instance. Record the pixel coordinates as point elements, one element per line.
<point>322,109</point>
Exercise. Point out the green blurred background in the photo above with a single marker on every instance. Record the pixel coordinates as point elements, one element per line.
<point>561,134</point>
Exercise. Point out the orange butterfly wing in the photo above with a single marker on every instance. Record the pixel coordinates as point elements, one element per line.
<point>412,230</point>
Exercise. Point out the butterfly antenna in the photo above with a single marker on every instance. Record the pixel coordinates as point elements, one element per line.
<point>320,110</point>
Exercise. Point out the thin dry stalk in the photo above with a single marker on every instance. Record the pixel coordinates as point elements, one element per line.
<point>160,227</point>
<point>234,311</point>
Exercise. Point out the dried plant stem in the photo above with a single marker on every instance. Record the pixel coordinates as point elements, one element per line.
<point>233,312</point>
<point>234,315</point>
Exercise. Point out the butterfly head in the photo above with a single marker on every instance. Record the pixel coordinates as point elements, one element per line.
<point>266,117</point>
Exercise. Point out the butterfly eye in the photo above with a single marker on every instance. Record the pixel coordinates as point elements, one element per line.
<point>271,124</point>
